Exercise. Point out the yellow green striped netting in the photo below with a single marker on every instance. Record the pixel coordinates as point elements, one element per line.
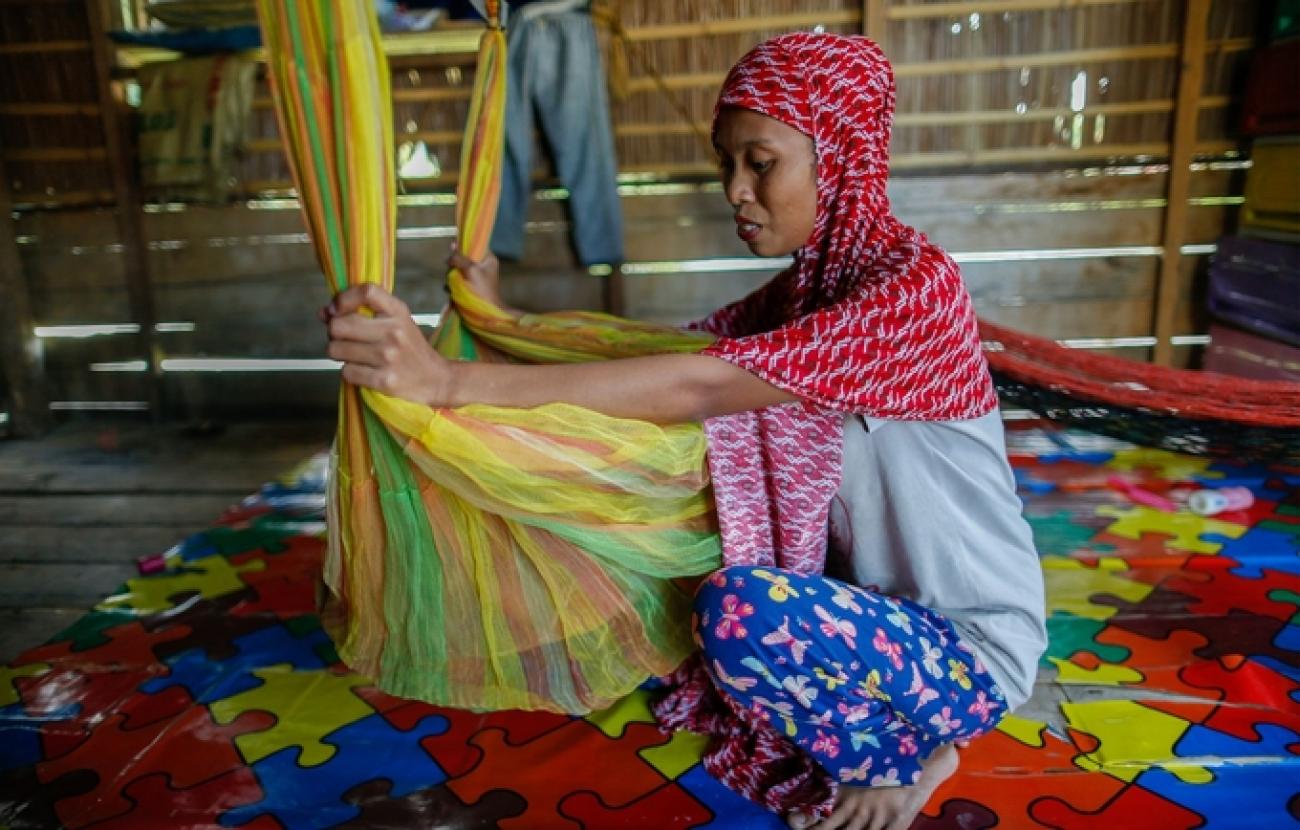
<point>480,557</point>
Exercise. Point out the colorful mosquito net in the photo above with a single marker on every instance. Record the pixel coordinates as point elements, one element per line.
<point>480,557</point>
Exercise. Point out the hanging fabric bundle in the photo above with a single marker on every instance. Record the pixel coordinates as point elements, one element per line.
<point>482,557</point>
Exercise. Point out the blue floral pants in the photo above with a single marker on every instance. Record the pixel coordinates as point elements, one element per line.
<point>867,684</point>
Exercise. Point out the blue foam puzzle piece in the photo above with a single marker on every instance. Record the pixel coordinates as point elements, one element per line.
<point>730,809</point>
<point>310,798</point>
<point>1201,741</point>
<point>209,680</point>
<point>194,547</point>
<point>20,738</point>
<point>1259,548</point>
<point>1266,789</point>
<point>1094,458</point>
<point>1025,481</point>
<point>1288,638</point>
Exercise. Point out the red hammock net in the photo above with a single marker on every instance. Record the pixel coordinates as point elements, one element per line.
<point>1186,411</point>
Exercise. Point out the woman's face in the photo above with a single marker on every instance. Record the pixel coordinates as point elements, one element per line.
<point>769,175</point>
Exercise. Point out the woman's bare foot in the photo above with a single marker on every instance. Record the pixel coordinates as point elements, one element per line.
<point>885,808</point>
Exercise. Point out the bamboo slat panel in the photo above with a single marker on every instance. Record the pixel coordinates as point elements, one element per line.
<point>51,130</point>
<point>990,88</point>
<point>987,83</point>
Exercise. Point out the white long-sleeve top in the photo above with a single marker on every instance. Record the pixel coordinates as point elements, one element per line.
<point>928,510</point>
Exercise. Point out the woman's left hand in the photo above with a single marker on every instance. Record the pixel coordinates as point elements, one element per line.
<point>386,352</point>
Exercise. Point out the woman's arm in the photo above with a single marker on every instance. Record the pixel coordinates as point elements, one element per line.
<point>388,352</point>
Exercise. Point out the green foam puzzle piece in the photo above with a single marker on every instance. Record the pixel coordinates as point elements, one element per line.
<point>1068,634</point>
<point>9,676</point>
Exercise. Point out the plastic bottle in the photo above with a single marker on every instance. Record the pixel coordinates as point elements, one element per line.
<point>1223,500</point>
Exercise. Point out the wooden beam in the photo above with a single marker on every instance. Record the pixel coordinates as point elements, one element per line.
<point>43,154</point>
<point>449,39</point>
<point>59,108</point>
<point>1191,74</point>
<point>1147,51</point>
<point>961,9</point>
<point>66,198</point>
<point>614,292</point>
<point>940,118</point>
<point>743,25</point>
<point>41,47</point>
<point>920,69</point>
<point>21,361</point>
<point>875,20</point>
<point>126,192</point>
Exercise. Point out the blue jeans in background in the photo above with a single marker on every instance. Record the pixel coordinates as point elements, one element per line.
<point>556,73</point>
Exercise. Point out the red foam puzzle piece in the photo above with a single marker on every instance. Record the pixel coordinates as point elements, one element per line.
<point>189,748</point>
<point>668,806</point>
<point>1253,694</point>
<point>1218,591</point>
<point>1134,806</point>
<point>159,806</point>
<point>1005,776</point>
<point>577,757</point>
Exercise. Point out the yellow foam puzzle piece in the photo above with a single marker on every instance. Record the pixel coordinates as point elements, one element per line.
<point>9,676</point>
<point>308,705</point>
<point>1072,584</point>
<point>211,577</point>
<point>613,721</point>
<point>1170,466</point>
<point>1109,674</point>
<point>1132,739</point>
<point>1026,731</point>
<point>682,751</point>
<point>1185,528</point>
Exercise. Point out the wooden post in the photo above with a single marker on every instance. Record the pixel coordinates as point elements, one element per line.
<point>875,20</point>
<point>20,352</point>
<point>1182,147</point>
<point>615,292</point>
<point>126,192</point>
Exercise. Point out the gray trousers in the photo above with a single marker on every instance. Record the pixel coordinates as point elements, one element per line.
<point>555,75</point>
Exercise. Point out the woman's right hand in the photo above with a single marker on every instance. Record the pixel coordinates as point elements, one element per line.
<point>483,277</point>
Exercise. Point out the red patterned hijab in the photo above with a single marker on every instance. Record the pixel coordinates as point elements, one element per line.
<point>871,319</point>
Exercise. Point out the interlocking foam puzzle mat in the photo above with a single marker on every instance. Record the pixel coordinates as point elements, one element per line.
<point>207,696</point>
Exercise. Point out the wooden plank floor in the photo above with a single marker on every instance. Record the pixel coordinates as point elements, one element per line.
<point>79,506</point>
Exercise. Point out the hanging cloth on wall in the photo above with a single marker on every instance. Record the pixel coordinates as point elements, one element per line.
<point>193,124</point>
<point>482,557</point>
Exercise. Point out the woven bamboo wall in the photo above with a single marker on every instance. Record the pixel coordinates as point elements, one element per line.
<point>976,87</point>
<point>991,90</point>
<point>51,129</point>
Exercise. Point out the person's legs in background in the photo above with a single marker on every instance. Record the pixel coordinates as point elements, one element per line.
<point>517,161</point>
<point>573,107</point>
